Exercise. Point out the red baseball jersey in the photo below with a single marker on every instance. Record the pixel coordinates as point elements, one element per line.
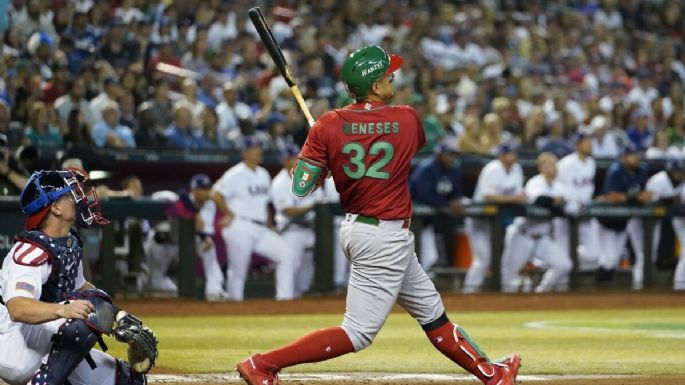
<point>368,147</point>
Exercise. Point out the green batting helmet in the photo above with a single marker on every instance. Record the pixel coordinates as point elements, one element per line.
<point>366,66</point>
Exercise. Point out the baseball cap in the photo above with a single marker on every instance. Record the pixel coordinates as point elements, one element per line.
<point>200,181</point>
<point>446,146</point>
<point>675,165</point>
<point>251,141</point>
<point>366,66</point>
<point>505,148</point>
<point>290,151</point>
<point>629,148</point>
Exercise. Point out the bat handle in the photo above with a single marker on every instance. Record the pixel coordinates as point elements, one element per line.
<point>303,106</point>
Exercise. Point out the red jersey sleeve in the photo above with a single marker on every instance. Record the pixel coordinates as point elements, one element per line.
<point>419,125</point>
<point>315,147</point>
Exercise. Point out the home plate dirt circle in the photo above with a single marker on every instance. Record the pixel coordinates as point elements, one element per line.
<point>415,379</point>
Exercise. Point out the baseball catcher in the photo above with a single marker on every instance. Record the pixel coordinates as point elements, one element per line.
<point>50,316</point>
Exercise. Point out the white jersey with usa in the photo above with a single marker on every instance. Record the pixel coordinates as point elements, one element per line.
<point>578,176</point>
<point>495,180</point>
<point>536,187</point>
<point>245,191</point>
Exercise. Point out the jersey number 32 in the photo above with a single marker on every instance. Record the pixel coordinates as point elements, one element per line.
<point>357,169</point>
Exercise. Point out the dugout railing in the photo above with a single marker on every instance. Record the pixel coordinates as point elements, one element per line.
<point>496,214</point>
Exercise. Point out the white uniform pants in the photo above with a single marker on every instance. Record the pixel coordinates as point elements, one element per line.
<point>159,257</point>
<point>385,269</point>
<point>679,274</point>
<point>429,247</point>
<point>588,246</point>
<point>478,231</point>
<point>613,243</point>
<point>24,348</point>
<point>302,241</point>
<point>214,277</point>
<point>519,248</point>
<point>243,237</point>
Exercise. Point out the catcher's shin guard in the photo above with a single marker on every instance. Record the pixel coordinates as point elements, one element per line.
<point>453,341</point>
<point>126,375</point>
<point>70,346</point>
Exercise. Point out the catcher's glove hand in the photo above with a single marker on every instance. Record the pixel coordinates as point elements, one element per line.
<point>141,340</point>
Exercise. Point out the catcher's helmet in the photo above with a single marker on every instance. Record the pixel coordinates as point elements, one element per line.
<point>366,66</point>
<point>45,187</point>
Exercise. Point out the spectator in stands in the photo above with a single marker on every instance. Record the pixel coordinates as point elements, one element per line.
<point>109,132</point>
<point>117,49</point>
<point>75,99</point>
<point>111,90</point>
<point>275,128</point>
<point>11,180</point>
<point>230,109</point>
<point>492,132</point>
<point>77,132</point>
<point>437,182</point>
<point>624,183</point>
<point>434,129</point>
<point>58,85</point>
<point>471,140</point>
<point>640,131</point>
<point>85,39</point>
<point>675,129</point>
<point>662,148</point>
<point>532,130</point>
<point>37,19</point>
<point>195,59</point>
<point>182,134</point>
<point>189,88</point>
<point>207,94</point>
<point>209,124</point>
<point>555,142</point>
<point>40,132</point>
<point>155,116</point>
<point>605,143</point>
<point>127,112</point>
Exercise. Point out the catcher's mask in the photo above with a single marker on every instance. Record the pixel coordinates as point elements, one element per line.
<point>45,187</point>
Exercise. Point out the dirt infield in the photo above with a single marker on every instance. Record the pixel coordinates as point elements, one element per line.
<point>453,303</point>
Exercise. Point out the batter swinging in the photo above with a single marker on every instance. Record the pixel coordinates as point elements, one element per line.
<point>368,147</point>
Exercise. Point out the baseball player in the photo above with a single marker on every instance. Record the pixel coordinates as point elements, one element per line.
<point>295,220</point>
<point>624,183</point>
<point>161,252</point>
<point>530,237</point>
<point>341,266</point>
<point>577,174</point>
<point>368,146</point>
<point>50,316</point>
<point>437,182</point>
<point>242,196</point>
<point>196,204</point>
<point>666,187</point>
<point>500,181</point>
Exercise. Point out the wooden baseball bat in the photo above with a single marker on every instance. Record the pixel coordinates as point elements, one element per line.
<point>271,45</point>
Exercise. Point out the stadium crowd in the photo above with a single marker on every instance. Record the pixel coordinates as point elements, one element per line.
<point>485,76</point>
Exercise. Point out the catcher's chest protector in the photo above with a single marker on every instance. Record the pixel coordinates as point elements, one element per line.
<point>65,257</point>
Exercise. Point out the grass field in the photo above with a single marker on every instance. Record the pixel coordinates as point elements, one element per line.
<point>649,342</point>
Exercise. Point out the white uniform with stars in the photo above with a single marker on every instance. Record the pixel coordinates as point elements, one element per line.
<point>246,192</point>
<point>24,347</point>
<point>578,177</point>
<point>661,187</point>
<point>493,180</point>
<point>530,238</point>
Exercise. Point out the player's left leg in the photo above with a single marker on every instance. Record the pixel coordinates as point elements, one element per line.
<point>272,246</point>
<point>636,236</point>
<point>419,298</point>
<point>302,241</point>
<point>558,261</point>
<point>107,370</point>
<point>518,248</point>
<point>429,247</point>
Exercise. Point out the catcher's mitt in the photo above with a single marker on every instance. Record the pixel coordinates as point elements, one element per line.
<point>141,340</point>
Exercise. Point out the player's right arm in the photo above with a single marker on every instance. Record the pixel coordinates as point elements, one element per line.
<point>30,311</point>
<point>220,193</point>
<point>22,285</point>
<point>311,168</point>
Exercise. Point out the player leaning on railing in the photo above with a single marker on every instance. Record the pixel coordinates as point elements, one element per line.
<point>50,316</point>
